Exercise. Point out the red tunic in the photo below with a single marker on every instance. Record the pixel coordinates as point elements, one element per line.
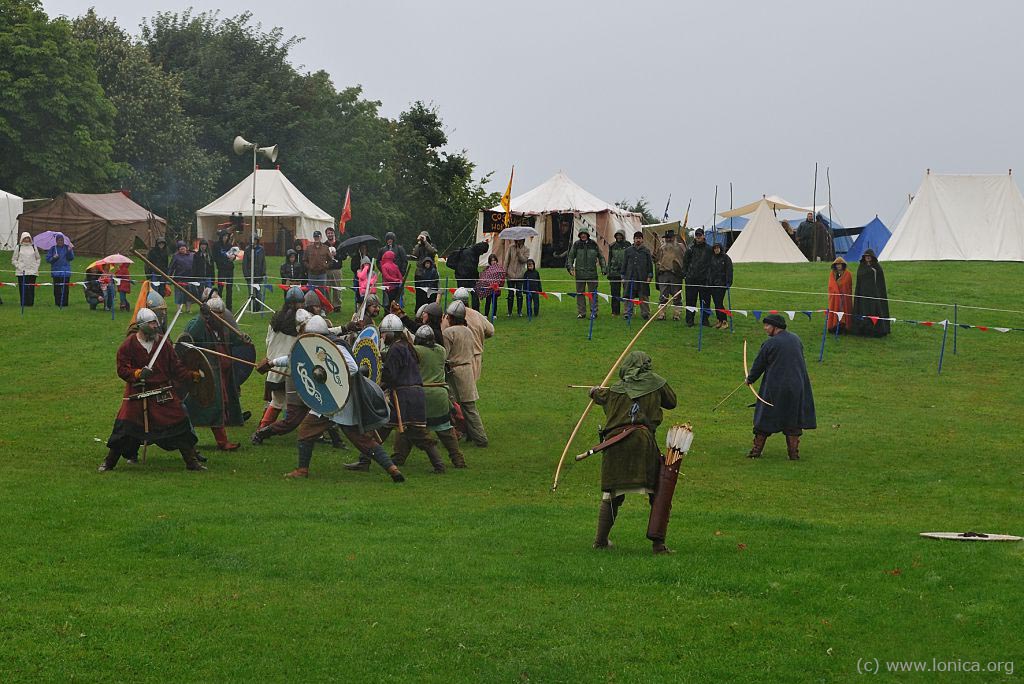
<point>167,371</point>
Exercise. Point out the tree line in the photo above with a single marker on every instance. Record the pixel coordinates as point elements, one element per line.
<point>85,106</point>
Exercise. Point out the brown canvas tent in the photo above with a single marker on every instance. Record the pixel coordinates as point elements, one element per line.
<point>95,224</point>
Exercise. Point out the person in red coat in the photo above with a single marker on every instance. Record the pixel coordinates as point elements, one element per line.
<point>840,297</point>
<point>124,285</point>
<point>158,418</point>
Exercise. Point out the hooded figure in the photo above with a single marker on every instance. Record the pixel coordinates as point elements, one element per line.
<point>633,407</point>
<point>871,300</point>
<point>367,280</point>
<point>490,284</point>
<point>391,244</point>
<point>427,281</point>
<point>424,247</point>
<point>159,256</point>
<point>465,261</point>
<point>392,275</point>
<point>25,259</point>
<point>840,297</point>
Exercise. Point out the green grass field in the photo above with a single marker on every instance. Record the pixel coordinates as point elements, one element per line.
<point>784,571</point>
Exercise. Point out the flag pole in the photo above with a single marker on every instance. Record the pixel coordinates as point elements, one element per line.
<point>824,333</point>
<point>942,352</point>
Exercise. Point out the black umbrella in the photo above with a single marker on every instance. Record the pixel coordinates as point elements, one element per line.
<point>357,240</point>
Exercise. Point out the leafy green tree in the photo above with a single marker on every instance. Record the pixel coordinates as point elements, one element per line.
<point>156,143</point>
<point>56,124</point>
<point>640,206</point>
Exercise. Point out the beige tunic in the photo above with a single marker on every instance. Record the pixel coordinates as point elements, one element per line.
<point>482,329</point>
<point>459,343</point>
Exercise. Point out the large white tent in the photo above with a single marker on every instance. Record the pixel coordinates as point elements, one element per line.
<point>961,218</point>
<point>550,208</point>
<point>10,207</point>
<point>765,240</point>
<point>279,205</point>
<point>774,202</point>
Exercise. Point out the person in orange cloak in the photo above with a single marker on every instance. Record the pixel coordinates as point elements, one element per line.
<point>840,297</point>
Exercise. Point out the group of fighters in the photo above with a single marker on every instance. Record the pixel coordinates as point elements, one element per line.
<point>427,389</point>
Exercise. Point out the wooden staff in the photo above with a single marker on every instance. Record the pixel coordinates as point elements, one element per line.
<point>247,362</point>
<point>190,295</point>
<point>565,451</point>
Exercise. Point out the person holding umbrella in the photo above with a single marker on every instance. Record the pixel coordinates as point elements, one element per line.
<point>60,256</point>
<point>515,258</point>
<point>25,259</point>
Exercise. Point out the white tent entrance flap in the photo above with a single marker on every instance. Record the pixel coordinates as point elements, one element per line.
<point>765,240</point>
<point>283,213</point>
<point>960,218</point>
<point>11,207</point>
<point>557,209</point>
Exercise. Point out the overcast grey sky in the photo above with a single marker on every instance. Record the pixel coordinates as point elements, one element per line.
<point>658,97</point>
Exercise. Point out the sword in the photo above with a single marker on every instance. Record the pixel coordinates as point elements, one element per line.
<point>148,393</point>
<point>164,338</point>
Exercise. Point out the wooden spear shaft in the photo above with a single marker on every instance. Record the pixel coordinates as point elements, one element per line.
<point>565,451</point>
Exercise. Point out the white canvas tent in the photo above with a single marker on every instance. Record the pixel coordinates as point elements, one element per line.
<point>10,207</point>
<point>765,240</point>
<point>552,205</point>
<point>774,202</point>
<point>279,204</point>
<point>962,218</point>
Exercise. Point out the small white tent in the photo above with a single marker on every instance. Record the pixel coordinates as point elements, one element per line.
<point>774,202</point>
<point>551,208</point>
<point>279,204</point>
<point>11,207</point>
<point>960,218</point>
<point>765,240</point>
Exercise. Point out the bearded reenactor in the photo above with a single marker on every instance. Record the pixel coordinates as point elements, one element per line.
<point>460,343</point>
<point>482,330</point>
<point>668,257</point>
<point>630,458</point>
<point>157,416</point>
<point>353,419</point>
<point>402,382</point>
<point>786,387</point>
<point>209,332</point>
<point>369,315</point>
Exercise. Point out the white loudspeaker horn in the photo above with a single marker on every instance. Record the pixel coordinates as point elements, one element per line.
<point>269,152</point>
<point>241,145</point>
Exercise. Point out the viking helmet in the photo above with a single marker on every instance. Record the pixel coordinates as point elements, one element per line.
<point>145,316</point>
<point>215,303</point>
<point>425,336</point>
<point>462,294</point>
<point>310,299</point>
<point>316,324</point>
<point>294,295</point>
<point>391,323</point>
<point>155,301</point>
<point>371,300</point>
<point>457,310</point>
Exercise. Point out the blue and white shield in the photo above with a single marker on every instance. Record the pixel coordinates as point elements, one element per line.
<point>319,374</point>
<point>369,333</point>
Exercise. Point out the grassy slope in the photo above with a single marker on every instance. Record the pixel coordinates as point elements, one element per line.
<point>784,571</point>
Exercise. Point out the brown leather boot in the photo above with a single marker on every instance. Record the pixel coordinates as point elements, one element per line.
<point>435,459</point>
<point>605,520</point>
<point>793,447</point>
<point>451,443</point>
<point>396,474</point>
<point>759,440</point>
<point>362,465</point>
<point>658,547</point>
<point>221,435</point>
<point>191,462</point>
<point>297,473</point>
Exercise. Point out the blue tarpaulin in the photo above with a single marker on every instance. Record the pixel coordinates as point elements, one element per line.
<point>873,236</point>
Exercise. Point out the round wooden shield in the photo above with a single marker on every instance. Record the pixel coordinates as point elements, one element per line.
<point>319,374</point>
<point>205,390</point>
<point>242,371</point>
<point>367,357</point>
<point>971,536</point>
<point>371,333</point>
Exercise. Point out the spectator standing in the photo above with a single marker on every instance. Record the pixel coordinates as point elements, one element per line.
<point>840,297</point>
<point>871,301</point>
<point>719,282</point>
<point>254,266</point>
<point>427,280</point>
<point>317,259</point>
<point>533,287</point>
<point>124,285</point>
<point>60,257</point>
<point>424,247</point>
<point>616,262</point>
<point>401,258</point>
<point>180,270</point>
<point>465,261</point>
<point>159,257</point>
<point>25,259</point>
<point>292,271</point>
<point>637,271</point>
<point>224,253</point>
<point>696,263</point>
<point>391,279</point>
<point>668,257</point>
<point>334,268</point>
<point>202,270</point>
<point>582,263</point>
<point>514,262</point>
<point>490,284</point>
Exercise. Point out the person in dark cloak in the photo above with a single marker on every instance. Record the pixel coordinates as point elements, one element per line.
<point>224,258</point>
<point>786,386</point>
<point>631,465</point>
<point>159,257</point>
<point>465,261</point>
<point>870,299</point>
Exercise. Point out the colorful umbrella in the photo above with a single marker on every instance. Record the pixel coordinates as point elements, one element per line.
<point>48,238</point>
<point>111,260</point>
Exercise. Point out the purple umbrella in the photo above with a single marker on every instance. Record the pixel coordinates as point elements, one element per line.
<point>48,239</point>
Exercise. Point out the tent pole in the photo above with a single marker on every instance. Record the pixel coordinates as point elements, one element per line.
<point>824,333</point>
<point>828,183</point>
<point>728,296</point>
<point>942,352</point>
<point>700,323</point>
<point>814,210</point>
<point>956,324</point>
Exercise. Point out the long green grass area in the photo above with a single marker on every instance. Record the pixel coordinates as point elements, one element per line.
<point>784,571</point>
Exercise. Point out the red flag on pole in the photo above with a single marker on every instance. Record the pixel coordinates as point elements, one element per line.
<point>346,212</point>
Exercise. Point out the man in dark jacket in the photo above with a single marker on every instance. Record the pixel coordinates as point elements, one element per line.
<point>317,259</point>
<point>616,262</point>
<point>465,261</point>
<point>637,271</point>
<point>224,258</point>
<point>696,262</point>
<point>719,281</point>
<point>159,257</point>
<point>786,387</point>
<point>401,258</point>
<point>582,263</point>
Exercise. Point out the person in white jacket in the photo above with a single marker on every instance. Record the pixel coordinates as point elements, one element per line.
<point>25,259</point>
